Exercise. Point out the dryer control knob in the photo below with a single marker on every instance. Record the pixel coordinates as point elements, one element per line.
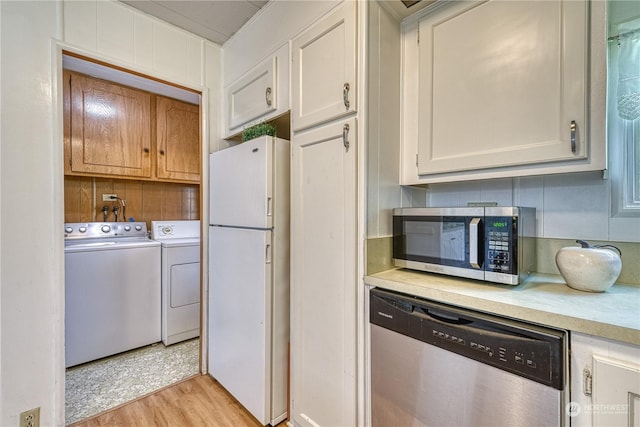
<point>127,228</point>
<point>68,229</point>
<point>82,229</point>
<point>138,227</point>
<point>105,228</point>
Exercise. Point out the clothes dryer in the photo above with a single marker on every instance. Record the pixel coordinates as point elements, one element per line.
<point>180,242</point>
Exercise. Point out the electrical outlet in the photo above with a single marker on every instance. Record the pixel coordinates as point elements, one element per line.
<point>30,418</point>
<point>109,197</point>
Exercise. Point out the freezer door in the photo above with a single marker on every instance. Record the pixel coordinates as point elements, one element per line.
<point>240,315</point>
<point>241,185</point>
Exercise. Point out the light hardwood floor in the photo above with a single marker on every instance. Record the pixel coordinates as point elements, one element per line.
<point>197,401</point>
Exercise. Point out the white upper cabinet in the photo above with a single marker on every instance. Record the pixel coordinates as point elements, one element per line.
<point>260,94</point>
<point>502,86</point>
<point>324,69</point>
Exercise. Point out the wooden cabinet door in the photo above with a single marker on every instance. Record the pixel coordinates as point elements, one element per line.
<point>110,128</point>
<point>502,84</point>
<point>323,276</point>
<point>324,85</point>
<point>178,140</point>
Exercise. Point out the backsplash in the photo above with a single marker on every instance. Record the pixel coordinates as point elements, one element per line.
<point>145,200</point>
<point>380,255</point>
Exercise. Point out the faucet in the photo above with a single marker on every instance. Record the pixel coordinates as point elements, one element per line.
<point>116,210</point>
<point>105,213</point>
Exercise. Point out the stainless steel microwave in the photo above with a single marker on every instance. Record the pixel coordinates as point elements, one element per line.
<point>494,244</point>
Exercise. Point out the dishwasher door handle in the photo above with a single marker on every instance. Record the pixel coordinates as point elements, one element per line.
<point>449,318</point>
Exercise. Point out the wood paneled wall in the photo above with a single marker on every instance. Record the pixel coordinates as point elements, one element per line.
<point>145,200</point>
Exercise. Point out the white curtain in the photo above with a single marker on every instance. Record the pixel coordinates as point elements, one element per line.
<point>629,70</point>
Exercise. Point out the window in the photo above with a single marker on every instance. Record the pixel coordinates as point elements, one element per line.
<point>623,106</point>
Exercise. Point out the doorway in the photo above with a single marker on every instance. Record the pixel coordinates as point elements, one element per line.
<point>98,385</point>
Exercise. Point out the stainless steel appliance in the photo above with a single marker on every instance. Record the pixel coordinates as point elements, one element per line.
<point>494,244</point>
<point>436,365</point>
<point>249,274</point>
<point>112,289</point>
<point>180,242</point>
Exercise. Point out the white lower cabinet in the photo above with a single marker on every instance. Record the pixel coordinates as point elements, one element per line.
<point>323,276</point>
<point>605,382</point>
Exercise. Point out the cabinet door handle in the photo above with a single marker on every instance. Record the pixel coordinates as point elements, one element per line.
<point>345,137</point>
<point>345,95</point>
<point>574,129</point>
<point>267,96</point>
<point>145,149</point>
<point>162,152</point>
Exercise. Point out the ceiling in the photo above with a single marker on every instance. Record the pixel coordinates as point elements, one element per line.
<point>215,20</point>
<point>218,20</point>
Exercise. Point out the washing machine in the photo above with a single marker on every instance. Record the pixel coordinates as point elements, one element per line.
<point>180,277</point>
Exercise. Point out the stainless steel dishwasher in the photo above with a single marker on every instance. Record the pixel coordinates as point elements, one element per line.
<point>437,365</point>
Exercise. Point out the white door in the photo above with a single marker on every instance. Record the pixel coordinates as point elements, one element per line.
<point>241,184</point>
<point>240,315</point>
<point>324,69</point>
<point>323,276</point>
<point>506,93</point>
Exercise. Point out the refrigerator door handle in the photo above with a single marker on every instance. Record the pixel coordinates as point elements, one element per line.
<point>269,206</point>
<point>268,254</point>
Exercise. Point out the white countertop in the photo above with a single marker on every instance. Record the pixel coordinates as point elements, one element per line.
<point>542,299</point>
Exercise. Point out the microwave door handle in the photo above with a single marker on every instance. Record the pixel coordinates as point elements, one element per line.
<point>473,242</point>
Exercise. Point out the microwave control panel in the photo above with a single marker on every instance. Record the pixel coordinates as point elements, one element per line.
<point>501,240</point>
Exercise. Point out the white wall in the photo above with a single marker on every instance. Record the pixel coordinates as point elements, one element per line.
<point>259,37</point>
<point>383,120</point>
<point>31,179</point>
<point>31,194</point>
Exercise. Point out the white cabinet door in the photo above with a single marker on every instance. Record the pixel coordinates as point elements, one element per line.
<point>260,94</point>
<point>502,84</point>
<point>616,392</point>
<point>254,95</point>
<point>605,382</point>
<point>323,276</point>
<point>324,69</point>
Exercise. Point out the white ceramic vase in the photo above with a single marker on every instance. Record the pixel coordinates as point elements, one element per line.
<point>589,268</point>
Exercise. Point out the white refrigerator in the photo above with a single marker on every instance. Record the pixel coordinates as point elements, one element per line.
<point>249,274</point>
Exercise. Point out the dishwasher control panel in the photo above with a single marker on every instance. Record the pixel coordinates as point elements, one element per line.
<point>528,350</point>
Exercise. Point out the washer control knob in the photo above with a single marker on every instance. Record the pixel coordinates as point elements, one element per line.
<point>138,227</point>
<point>127,228</point>
<point>105,228</point>
<point>82,229</point>
<point>68,229</point>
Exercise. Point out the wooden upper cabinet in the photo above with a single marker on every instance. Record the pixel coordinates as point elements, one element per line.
<point>178,140</point>
<point>117,131</point>
<point>109,128</point>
